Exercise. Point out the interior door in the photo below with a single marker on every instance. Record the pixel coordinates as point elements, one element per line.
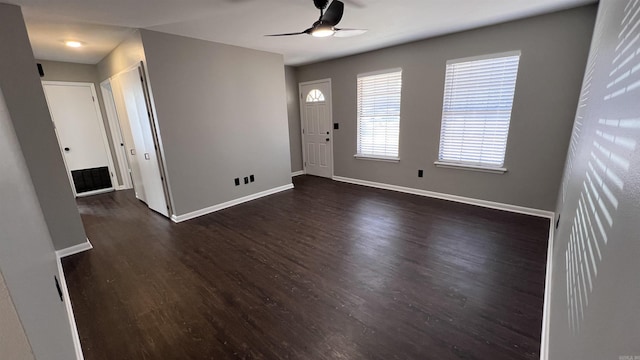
<point>127,136</point>
<point>315,104</point>
<point>81,135</point>
<point>145,149</point>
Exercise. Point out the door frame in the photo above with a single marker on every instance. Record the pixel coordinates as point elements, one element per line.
<point>116,135</point>
<point>103,133</point>
<point>302,125</point>
<point>155,134</point>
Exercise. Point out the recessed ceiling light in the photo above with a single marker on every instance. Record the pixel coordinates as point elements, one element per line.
<point>73,44</point>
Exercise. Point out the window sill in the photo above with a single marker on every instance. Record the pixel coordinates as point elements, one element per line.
<point>487,169</point>
<point>377,158</point>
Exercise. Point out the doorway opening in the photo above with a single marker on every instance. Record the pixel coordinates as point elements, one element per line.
<point>136,161</point>
<point>140,146</point>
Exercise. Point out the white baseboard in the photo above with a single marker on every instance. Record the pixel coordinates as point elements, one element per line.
<point>544,342</point>
<point>228,204</point>
<point>72,250</point>
<point>297,173</point>
<point>456,198</point>
<point>95,192</point>
<point>67,303</point>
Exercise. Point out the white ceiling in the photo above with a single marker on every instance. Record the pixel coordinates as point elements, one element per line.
<point>102,24</point>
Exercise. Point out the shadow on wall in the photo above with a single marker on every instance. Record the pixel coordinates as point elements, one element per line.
<point>610,142</point>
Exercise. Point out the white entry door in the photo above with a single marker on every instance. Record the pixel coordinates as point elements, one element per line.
<point>317,124</point>
<point>81,136</point>
<point>137,110</point>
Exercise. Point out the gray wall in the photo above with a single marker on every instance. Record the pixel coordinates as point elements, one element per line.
<point>595,306</point>
<point>13,341</point>
<point>554,52</point>
<point>27,259</point>
<point>63,71</point>
<point>28,108</point>
<point>293,111</point>
<point>127,54</point>
<point>222,114</point>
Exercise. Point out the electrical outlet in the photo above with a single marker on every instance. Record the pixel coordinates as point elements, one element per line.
<point>237,181</point>
<point>252,178</point>
<point>420,173</point>
<point>246,180</point>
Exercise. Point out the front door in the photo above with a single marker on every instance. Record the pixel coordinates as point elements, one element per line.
<point>81,135</point>
<point>315,105</point>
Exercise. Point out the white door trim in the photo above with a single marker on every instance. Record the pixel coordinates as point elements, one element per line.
<point>116,136</point>
<point>103,132</point>
<point>302,102</point>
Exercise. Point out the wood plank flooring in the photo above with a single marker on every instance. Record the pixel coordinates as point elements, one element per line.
<point>325,271</point>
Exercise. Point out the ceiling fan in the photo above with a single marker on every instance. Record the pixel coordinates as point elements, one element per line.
<point>326,24</point>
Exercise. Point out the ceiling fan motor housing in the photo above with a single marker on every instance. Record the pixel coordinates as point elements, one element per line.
<point>321,4</point>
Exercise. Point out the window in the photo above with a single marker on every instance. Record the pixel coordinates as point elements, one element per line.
<point>379,114</point>
<point>478,96</point>
<point>315,95</point>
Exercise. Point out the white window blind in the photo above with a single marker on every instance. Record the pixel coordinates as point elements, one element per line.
<point>379,114</point>
<point>478,97</point>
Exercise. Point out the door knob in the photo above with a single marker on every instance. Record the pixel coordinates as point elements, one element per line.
<point>67,149</point>
<point>327,139</point>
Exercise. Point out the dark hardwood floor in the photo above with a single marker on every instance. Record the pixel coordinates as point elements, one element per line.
<point>325,271</point>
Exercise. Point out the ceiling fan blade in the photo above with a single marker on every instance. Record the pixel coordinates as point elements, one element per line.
<point>306,32</point>
<point>349,32</point>
<point>334,13</point>
<point>288,34</point>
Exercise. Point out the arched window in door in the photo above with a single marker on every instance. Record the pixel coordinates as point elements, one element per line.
<point>315,95</point>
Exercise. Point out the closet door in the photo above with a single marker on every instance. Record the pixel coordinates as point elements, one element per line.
<point>131,84</point>
<point>127,135</point>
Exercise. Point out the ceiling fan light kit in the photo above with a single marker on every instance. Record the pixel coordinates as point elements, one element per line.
<point>325,26</point>
<point>323,31</point>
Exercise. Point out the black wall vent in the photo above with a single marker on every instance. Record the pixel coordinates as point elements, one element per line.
<point>91,179</point>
